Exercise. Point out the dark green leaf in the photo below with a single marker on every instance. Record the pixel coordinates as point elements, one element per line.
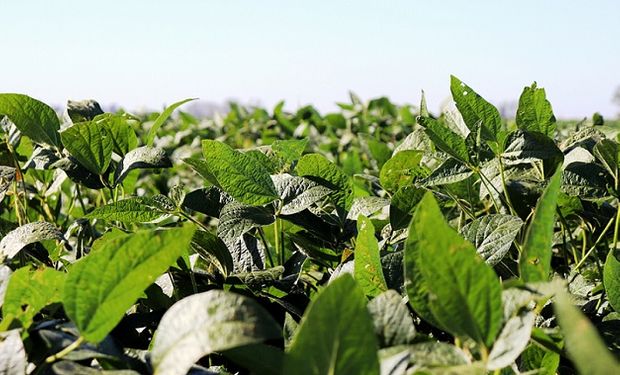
<point>141,157</point>
<point>534,112</point>
<point>611,279</point>
<point>445,139</point>
<point>318,167</point>
<point>34,119</point>
<point>475,109</point>
<point>131,210</point>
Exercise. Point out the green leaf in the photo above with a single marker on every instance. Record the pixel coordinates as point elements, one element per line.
<point>202,167</point>
<point>607,152</point>
<point>289,150</point>
<point>298,193</point>
<point>83,110</point>
<point>392,320</point>
<point>211,248</point>
<point>33,118</point>
<point>207,322</point>
<point>101,287</point>
<point>31,290</point>
<point>445,139</point>
<point>475,109</point>
<point>584,345</point>
<point>318,167</point>
<point>535,112</point>
<point>159,121</point>
<point>240,175</point>
<point>611,279</point>
<point>511,341</point>
<point>131,210</point>
<point>492,235</point>
<point>544,362</point>
<point>525,147</point>
<point>449,172</point>
<point>535,258</point>
<point>259,359</point>
<point>464,293</point>
<point>403,204</point>
<point>401,169</point>
<point>91,144</point>
<point>368,272</point>
<point>336,334</point>
<point>141,157</point>
<point>122,134</point>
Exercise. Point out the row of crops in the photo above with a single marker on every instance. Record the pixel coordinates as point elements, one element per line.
<point>379,239</point>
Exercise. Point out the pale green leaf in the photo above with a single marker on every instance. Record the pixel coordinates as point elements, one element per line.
<point>159,121</point>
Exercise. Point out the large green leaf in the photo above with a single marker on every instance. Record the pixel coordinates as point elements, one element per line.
<point>336,334</point>
<point>611,279</point>
<point>401,169</point>
<point>524,147</point>
<point>131,210</point>
<point>122,134</point>
<point>298,193</point>
<point>392,319</point>
<point>368,272</point>
<point>475,110</point>
<point>464,293</point>
<point>91,144</point>
<point>492,235</point>
<point>318,167</point>
<point>34,119</point>
<point>101,287</point>
<point>535,112</point>
<point>141,157</point>
<point>450,172</point>
<point>445,139</point>
<point>240,175</point>
<point>159,121</point>
<point>31,290</point>
<point>535,258</point>
<point>206,322</point>
<point>402,205</point>
<point>584,345</point>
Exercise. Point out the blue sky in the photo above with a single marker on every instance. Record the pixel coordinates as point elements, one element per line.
<point>148,53</point>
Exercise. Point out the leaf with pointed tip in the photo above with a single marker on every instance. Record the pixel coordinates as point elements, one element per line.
<point>492,235</point>
<point>29,233</point>
<point>240,175</point>
<point>159,121</point>
<point>462,292</point>
<point>368,272</point>
<point>392,320</point>
<point>31,290</point>
<point>511,341</point>
<point>202,167</point>
<point>91,144</point>
<point>101,287</point>
<point>12,353</point>
<point>584,345</point>
<point>336,334</point>
<point>33,118</point>
<point>535,258</point>
<point>130,210</point>
<point>534,112</point>
<point>445,139</point>
<point>298,193</point>
<point>475,109</point>
<point>141,157</point>
<point>207,322</point>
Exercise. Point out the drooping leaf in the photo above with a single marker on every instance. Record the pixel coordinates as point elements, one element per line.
<point>141,157</point>
<point>392,320</point>
<point>212,248</point>
<point>535,112</point>
<point>204,323</point>
<point>29,233</point>
<point>611,279</point>
<point>535,258</point>
<point>12,353</point>
<point>608,153</point>
<point>401,169</point>
<point>248,254</point>
<point>29,291</point>
<point>463,293</point>
<point>130,210</point>
<point>492,235</point>
<point>445,139</point>
<point>83,110</point>
<point>78,173</point>
<point>297,193</point>
<point>33,118</point>
<point>240,175</point>
<point>584,345</point>
<point>526,147</point>
<point>159,121</point>
<point>237,219</point>
<point>318,167</point>
<point>336,335</point>
<point>368,272</point>
<point>102,286</point>
<point>475,109</point>
<point>511,341</point>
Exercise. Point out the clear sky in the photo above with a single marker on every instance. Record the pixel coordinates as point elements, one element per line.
<point>148,53</point>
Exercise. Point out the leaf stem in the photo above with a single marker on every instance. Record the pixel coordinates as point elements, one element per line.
<point>71,347</point>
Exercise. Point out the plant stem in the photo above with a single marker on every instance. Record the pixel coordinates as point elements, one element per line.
<point>261,234</point>
<point>278,245</point>
<point>617,224</point>
<point>504,187</point>
<point>600,237</point>
<point>71,347</point>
